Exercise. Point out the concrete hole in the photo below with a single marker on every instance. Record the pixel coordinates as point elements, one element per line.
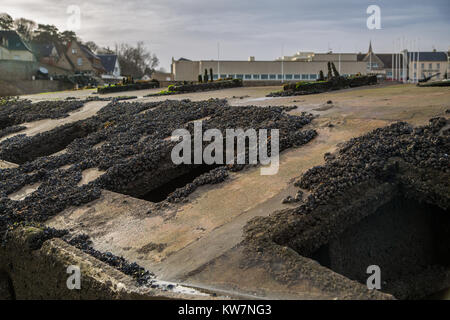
<point>156,185</point>
<point>160,193</point>
<point>50,143</point>
<point>408,240</point>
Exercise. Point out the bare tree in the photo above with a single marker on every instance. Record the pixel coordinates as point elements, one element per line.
<point>92,46</point>
<point>105,50</point>
<point>25,28</point>
<point>136,61</point>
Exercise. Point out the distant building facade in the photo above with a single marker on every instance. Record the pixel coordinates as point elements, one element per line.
<point>277,70</point>
<point>48,54</point>
<point>84,60</point>
<point>111,65</point>
<point>424,64</point>
<point>305,66</point>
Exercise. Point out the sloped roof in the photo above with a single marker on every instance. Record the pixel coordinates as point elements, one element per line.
<point>15,42</point>
<point>95,60</point>
<point>429,56</point>
<point>43,49</point>
<point>108,61</point>
<point>386,58</point>
<point>88,52</point>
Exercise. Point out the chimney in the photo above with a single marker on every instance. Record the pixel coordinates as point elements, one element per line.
<point>251,58</point>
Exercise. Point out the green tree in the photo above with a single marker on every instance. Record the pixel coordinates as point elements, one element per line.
<point>6,22</point>
<point>46,33</point>
<point>200,78</point>
<point>211,74</point>
<point>67,37</point>
<point>205,76</point>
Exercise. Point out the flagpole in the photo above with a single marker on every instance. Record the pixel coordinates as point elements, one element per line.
<point>392,64</point>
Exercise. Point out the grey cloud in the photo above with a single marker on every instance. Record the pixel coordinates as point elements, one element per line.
<point>192,28</point>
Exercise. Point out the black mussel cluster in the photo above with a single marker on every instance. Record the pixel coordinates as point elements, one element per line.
<point>127,140</point>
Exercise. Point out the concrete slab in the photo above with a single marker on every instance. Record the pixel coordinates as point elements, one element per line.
<point>35,127</point>
<point>198,242</point>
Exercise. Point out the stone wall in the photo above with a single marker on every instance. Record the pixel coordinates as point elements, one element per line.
<point>17,70</point>
<point>28,273</point>
<point>21,87</point>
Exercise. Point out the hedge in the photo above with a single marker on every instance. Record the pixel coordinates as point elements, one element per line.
<point>129,87</point>
<point>335,83</point>
<point>197,87</point>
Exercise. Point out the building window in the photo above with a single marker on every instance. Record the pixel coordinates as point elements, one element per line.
<point>223,76</point>
<point>240,76</point>
<point>430,66</point>
<point>80,61</point>
<point>264,77</point>
<point>415,65</point>
<point>215,76</point>
<point>16,58</point>
<point>289,77</point>
<point>279,76</point>
<point>272,76</point>
<point>256,77</point>
<point>423,66</point>
<point>438,66</point>
<point>74,51</point>
<point>304,77</point>
<point>313,76</point>
<point>297,76</point>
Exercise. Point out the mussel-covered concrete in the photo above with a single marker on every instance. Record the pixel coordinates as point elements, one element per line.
<point>198,241</point>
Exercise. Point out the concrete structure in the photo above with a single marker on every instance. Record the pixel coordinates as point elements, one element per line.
<point>203,235</point>
<point>304,66</point>
<point>162,76</point>
<point>12,47</point>
<point>277,70</point>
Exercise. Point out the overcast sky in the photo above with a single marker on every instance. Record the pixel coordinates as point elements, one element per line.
<point>260,28</point>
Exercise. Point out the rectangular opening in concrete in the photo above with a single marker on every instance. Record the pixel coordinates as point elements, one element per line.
<point>46,143</point>
<point>155,185</point>
<point>408,240</point>
<point>160,193</point>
